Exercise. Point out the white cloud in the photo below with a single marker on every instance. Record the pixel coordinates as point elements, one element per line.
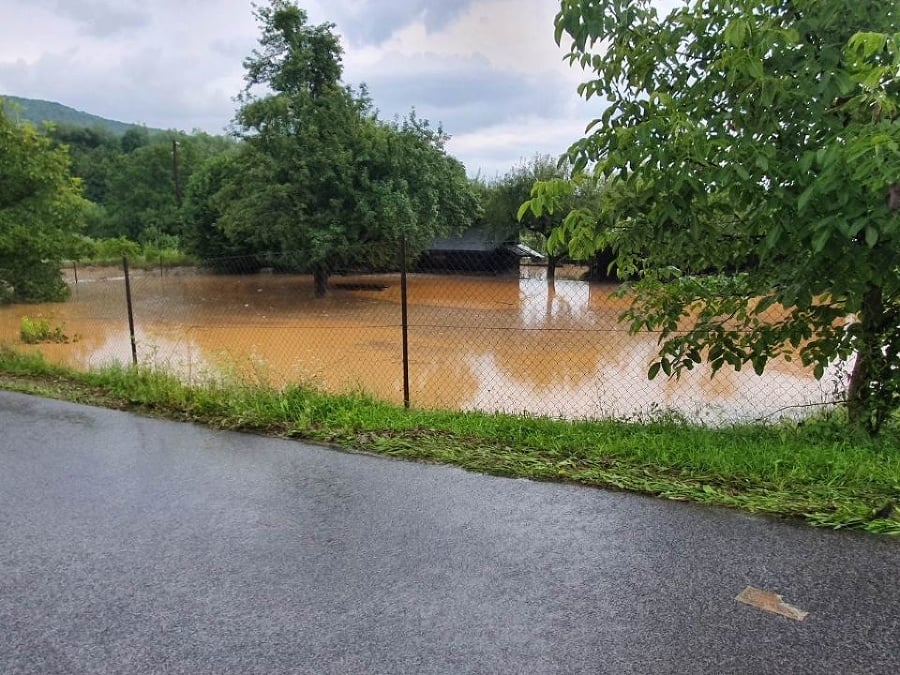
<point>488,69</point>
<point>515,35</point>
<point>502,146</point>
<point>100,18</point>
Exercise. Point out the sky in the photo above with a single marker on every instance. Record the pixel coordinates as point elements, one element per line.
<point>489,71</point>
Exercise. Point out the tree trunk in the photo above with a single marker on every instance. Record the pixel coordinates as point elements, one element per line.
<point>551,296</point>
<point>552,260</point>
<point>320,280</point>
<point>865,407</point>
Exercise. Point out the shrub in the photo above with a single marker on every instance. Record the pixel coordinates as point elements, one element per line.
<point>28,279</point>
<point>35,331</point>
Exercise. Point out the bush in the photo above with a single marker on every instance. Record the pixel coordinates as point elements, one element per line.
<point>116,249</point>
<point>28,280</point>
<point>35,331</point>
<point>160,250</point>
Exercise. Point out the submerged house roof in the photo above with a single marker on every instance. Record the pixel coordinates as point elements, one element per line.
<point>479,249</point>
<point>478,238</point>
<point>483,239</point>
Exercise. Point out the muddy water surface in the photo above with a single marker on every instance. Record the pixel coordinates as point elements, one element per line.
<point>488,343</point>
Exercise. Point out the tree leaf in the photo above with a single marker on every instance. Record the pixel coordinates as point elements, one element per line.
<point>805,196</point>
<point>871,236</point>
<point>820,239</point>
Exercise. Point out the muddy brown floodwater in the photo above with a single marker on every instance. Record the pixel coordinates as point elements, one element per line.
<point>488,343</point>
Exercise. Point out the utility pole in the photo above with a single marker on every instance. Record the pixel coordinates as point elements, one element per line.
<point>175,173</point>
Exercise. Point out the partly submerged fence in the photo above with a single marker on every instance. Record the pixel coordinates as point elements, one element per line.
<point>451,338</point>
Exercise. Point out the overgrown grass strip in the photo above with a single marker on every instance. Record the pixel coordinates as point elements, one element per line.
<point>820,471</point>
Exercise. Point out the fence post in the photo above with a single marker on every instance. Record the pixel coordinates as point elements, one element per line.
<point>75,270</point>
<point>404,313</point>
<point>130,311</point>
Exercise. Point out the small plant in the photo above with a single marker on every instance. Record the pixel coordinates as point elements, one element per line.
<point>35,331</point>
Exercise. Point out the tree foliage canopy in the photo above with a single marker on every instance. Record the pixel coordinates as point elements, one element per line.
<point>502,200</point>
<point>41,207</point>
<point>321,180</point>
<point>751,146</point>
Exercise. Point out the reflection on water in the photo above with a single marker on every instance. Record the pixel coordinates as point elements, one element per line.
<point>486,343</point>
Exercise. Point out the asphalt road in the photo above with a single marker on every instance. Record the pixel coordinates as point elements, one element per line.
<point>132,545</point>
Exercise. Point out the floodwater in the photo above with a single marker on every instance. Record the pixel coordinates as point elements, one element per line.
<point>475,342</point>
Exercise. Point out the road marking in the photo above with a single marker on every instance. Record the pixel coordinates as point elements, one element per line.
<point>770,602</point>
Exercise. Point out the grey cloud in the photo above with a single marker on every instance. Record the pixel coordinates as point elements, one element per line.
<point>374,21</point>
<point>150,87</point>
<point>100,18</point>
<point>462,94</point>
<point>234,49</point>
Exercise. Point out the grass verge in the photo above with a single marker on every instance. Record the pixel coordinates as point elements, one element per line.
<point>820,471</point>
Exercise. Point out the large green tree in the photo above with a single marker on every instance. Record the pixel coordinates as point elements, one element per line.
<point>324,183</point>
<point>212,192</point>
<point>41,208</point>
<point>753,145</point>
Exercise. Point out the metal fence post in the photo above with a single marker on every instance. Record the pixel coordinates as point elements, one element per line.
<point>404,313</point>
<point>130,310</point>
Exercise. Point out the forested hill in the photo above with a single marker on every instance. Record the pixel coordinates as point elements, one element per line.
<point>37,111</point>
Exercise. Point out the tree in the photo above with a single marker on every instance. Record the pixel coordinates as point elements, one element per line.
<point>502,201</point>
<point>325,183</point>
<point>40,210</point>
<point>751,147</point>
<point>92,151</point>
<point>216,185</point>
<point>408,188</point>
<point>142,199</point>
<point>502,198</point>
<point>134,138</point>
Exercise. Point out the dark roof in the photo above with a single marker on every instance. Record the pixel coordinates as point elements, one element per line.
<point>478,238</point>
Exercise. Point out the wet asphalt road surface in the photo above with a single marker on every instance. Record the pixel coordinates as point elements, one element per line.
<point>132,545</point>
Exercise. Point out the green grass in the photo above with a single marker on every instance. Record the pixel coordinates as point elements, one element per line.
<point>821,471</point>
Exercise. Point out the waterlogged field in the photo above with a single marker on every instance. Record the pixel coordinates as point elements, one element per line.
<point>488,343</point>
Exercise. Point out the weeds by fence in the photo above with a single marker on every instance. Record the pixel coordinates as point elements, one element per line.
<point>466,333</point>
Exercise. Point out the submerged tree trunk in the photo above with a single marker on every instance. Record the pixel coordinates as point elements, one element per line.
<point>552,261</point>
<point>320,280</point>
<point>869,390</point>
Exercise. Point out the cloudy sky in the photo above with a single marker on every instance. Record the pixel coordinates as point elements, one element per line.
<point>488,70</point>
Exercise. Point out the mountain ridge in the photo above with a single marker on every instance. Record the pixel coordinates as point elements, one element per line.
<point>38,111</point>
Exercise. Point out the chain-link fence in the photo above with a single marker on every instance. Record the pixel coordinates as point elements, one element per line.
<point>477,331</point>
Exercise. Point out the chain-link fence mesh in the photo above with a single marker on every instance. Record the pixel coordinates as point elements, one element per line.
<point>482,336</point>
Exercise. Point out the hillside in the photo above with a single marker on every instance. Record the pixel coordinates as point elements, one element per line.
<point>37,111</point>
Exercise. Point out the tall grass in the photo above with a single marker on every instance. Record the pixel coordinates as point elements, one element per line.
<point>821,471</point>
